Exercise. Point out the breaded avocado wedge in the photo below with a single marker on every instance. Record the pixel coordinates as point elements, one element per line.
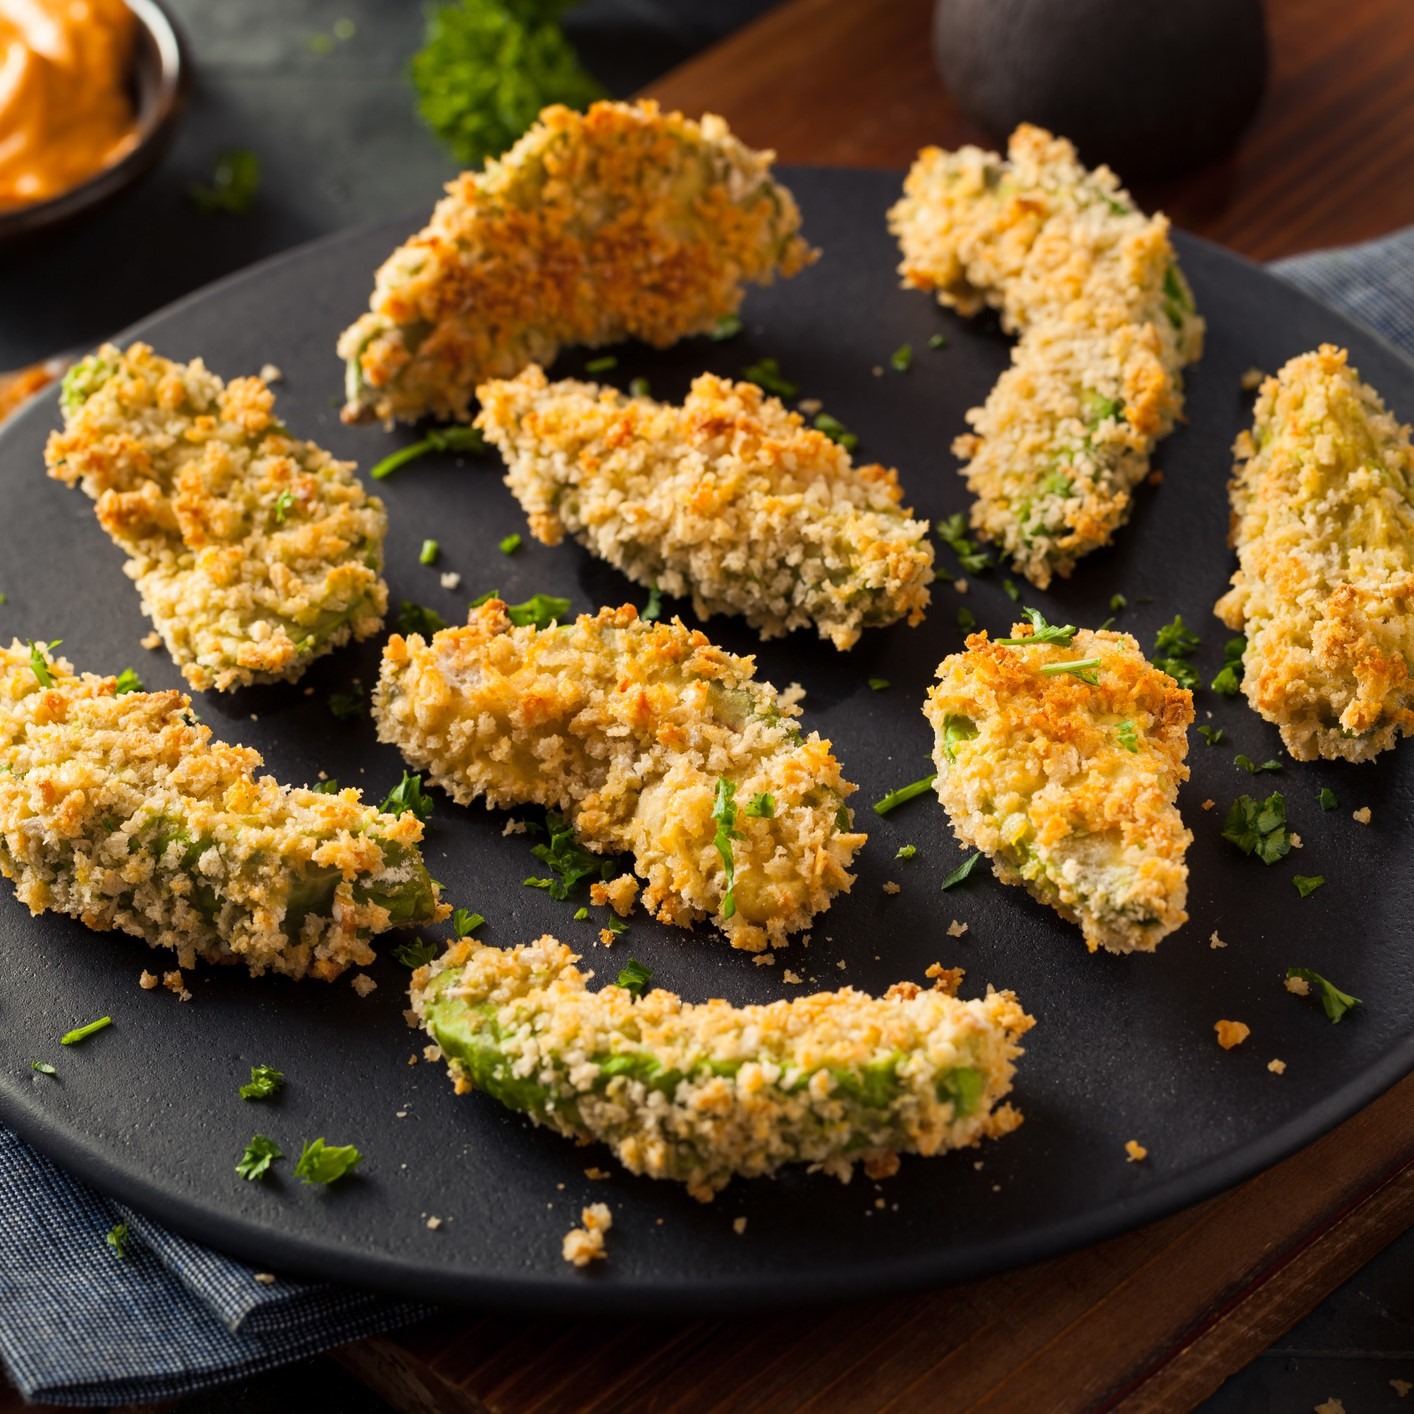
<point>254,552</point>
<point>649,740</point>
<point>1106,324</point>
<point>1323,524</point>
<point>622,222</point>
<point>701,1093</point>
<point>116,809</point>
<point>729,498</point>
<point>1059,755</point>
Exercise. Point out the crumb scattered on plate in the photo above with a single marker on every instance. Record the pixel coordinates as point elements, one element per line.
<point>1231,1033</point>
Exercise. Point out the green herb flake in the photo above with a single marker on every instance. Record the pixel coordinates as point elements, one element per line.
<point>484,599</point>
<point>235,180</point>
<point>540,610</point>
<point>117,1238</point>
<point>766,374</point>
<point>635,977</point>
<point>1012,592</point>
<point>953,533</point>
<point>1128,738</point>
<point>1327,799</point>
<point>606,364</point>
<point>569,861</point>
<point>265,1081</point>
<point>510,544</point>
<point>1335,1002</point>
<point>1082,668</point>
<point>408,797</point>
<point>761,807</point>
<point>962,871</point>
<point>259,1154</point>
<point>1259,827</point>
<point>906,851</point>
<point>836,431</point>
<point>344,706</point>
<point>727,327</point>
<point>82,1033</point>
<point>878,684</point>
<point>417,618</point>
<point>1212,735</point>
<point>428,555</point>
<point>966,620</point>
<point>898,797</point>
<point>938,341</point>
<point>38,661</point>
<point>1307,884</point>
<point>653,609</point>
<point>580,914</point>
<point>127,681</point>
<point>1229,678</point>
<point>43,1067</point>
<point>1041,632</point>
<point>639,387</point>
<point>1118,603</point>
<point>724,813</point>
<point>1173,646</point>
<point>437,439</point>
<point>4,599</point>
<point>465,922</point>
<point>324,1163</point>
<point>284,504</point>
<point>901,360</point>
<point>1246,763</point>
<point>417,953</point>
<point>617,926</point>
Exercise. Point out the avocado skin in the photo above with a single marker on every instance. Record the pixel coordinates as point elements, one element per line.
<point>1150,90</point>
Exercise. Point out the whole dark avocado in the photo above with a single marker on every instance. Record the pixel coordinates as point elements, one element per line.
<point>1149,89</point>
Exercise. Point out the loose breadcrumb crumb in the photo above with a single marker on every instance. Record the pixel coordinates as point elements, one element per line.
<point>1135,1150</point>
<point>738,1226</point>
<point>1215,941</point>
<point>1361,816</point>
<point>151,641</point>
<point>147,980</point>
<point>1252,380</point>
<point>451,580</point>
<point>791,696</point>
<point>956,929</point>
<point>1208,804</point>
<point>791,978</point>
<point>1298,986</point>
<point>765,959</point>
<point>960,585</point>
<point>265,1278</point>
<point>1277,1067</point>
<point>270,373</point>
<point>1401,1387</point>
<point>890,887</point>
<point>606,937</point>
<point>1295,840</point>
<point>583,1245</point>
<point>432,1053</point>
<point>595,1175</point>
<point>412,1060</point>
<point>944,979</point>
<point>1330,1406</point>
<point>1231,1033</point>
<point>514,827</point>
<point>363,984</point>
<point>619,893</point>
<point>434,1223</point>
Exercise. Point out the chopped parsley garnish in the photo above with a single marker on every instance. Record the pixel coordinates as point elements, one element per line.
<point>436,439</point>
<point>617,926</point>
<point>580,914</point>
<point>569,860</point>
<point>762,807</point>
<point>1082,668</point>
<point>635,977</point>
<point>898,797</point>
<point>235,179</point>
<point>1327,799</point>
<point>323,1163</point>
<point>901,360</point>
<point>117,1238</point>
<point>727,327</point>
<point>1173,646</point>
<point>1118,603</point>
<point>606,364</point>
<point>938,341</point>
<point>127,681</point>
<point>1307,884</point>
<point>1246,763</point>
<point>43,1067</point>
<point>284,503</point>
<point>836,431</point>
<point>81,1033</point>
<point>724,813</point>
<point>417,618</point>
<point>417,953</point>
<point>966,620</point>
<point>953,533</point>
<point>4,598</point>
<point>1212,735</point>
<point>541,610</point>
<point>906,851</point>
<point>1229,678</point>
<point>430,550</point>
<point>962,870</point>
<point>1335,1002</point>
<point>1259,827</point>
<point>487,68</point>
<point>510,544</point>
<point>259,1154</point>
<point>766,373</point>
<point>1127,736</point>
<point>345,705</point>
<point>957,728</point>
<point>408,796</point>
<point>639,387</point>
<point>878,684</point>
<point>465,922</point>
<point>265,1081</point>
<point>653,609</point>
<point>1012,592</point>
<point>38,665</point>
<point>1041,632</point>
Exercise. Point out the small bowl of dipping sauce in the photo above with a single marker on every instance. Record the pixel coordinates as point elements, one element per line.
<point>90,95</point>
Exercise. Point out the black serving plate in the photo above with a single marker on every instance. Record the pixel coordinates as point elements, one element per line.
<point>1124,1047</point>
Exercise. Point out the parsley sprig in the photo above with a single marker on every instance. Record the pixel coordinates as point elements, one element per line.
<point>259,1154</point>
<point>570,863</point>
<point>635,977</point>
<point>408,797</point>
<point>953,533</point>
<point>456,439</point>
<point>1335,1002</point>
<point>1173,646</point>
<point>1041,632</point>
<point>962,871</point>
<point>1229,678</point>
<point>1259,827</point>
<point>324,1163</point>
<point>898,797</point>
<point>265,1081</point>
<point>39,662</point>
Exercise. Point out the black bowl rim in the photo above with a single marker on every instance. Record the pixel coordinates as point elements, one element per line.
<point>174,85</point>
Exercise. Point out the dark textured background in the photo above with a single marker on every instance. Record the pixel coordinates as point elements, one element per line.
<point>340,144</point>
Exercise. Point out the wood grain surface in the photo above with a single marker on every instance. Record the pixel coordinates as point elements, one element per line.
<point>853,83</point>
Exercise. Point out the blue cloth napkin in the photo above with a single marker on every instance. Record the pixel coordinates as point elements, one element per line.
<point>80,1326</point>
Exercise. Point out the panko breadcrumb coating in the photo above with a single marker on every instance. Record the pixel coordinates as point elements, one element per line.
<point>1070,788</point>
<point>702,1092</point>
<point>1323,523</point>
<point>1106,323</point>
<point>622,222</point>
<point>729,498</point>
<point>255,553</point>
<point>645,736</point>
<point>115,809</point>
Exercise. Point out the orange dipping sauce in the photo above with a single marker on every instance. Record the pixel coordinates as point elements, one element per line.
<point>64,107</point>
